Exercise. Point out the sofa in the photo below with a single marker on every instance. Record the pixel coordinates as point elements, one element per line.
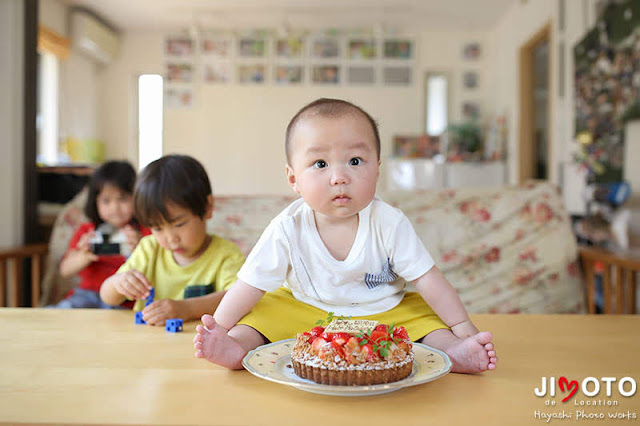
<point>505,249</point>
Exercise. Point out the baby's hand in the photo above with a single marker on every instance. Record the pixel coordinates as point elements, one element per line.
<point>132,284</point>
<point>161,310</point>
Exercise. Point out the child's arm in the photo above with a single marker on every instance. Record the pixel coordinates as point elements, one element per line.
<point>187,309</point>
<point>77,258</point>
<point>237,302</point>
<point>131,284</point>
<point>443,299</point>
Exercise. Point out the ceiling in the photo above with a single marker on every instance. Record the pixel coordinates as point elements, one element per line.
<point>385,15</point>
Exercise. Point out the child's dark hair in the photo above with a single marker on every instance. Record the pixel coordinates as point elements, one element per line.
<point>177,179</point>
<point>120,174</point>
<point>325,107</point>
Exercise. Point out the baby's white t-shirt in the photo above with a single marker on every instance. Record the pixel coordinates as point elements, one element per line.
<point>385,255</point>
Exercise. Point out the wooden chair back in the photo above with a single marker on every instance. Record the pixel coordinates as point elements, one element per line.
<point>619,278</point>
<point>11,266</point>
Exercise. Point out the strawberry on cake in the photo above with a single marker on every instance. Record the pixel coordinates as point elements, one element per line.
<point>345,353</point>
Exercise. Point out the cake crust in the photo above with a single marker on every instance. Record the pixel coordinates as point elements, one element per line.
<point>383,355</point>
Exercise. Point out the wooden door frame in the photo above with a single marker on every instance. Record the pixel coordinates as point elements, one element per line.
<point>527,148</point>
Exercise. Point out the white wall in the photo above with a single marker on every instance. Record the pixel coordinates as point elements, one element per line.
<point>237,131</point>
<point>11,121</point>
<point>518,25</point>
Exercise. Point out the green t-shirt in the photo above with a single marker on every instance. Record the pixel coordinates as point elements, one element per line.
<point>214,270</point>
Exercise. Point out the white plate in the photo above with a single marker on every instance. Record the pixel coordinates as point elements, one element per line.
<point>273,362</point>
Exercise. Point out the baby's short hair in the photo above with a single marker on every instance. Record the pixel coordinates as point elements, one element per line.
<point>176,179</point>
<point>326,107</point>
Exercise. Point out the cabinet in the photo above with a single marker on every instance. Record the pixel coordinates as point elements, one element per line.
<point>57,186</point>
<point>421,173</point>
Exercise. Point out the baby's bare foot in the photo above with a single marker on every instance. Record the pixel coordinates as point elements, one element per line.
<point>214,344</point>
<point>474,354</point>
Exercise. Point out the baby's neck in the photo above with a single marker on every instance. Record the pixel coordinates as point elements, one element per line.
<point>337,234</point>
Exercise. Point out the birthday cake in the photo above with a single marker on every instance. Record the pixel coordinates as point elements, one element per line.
<point>353,353</point>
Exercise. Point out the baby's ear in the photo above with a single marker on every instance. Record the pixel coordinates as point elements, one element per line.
<point>291,179</point>
<point>208,214</point>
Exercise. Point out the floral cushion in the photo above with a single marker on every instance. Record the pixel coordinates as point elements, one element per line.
<point>506,250</point>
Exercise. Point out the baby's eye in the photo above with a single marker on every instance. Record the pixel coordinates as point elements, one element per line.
<point>356,161</point>
<point>320,164</point>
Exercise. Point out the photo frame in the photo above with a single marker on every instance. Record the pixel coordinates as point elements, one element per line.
<point>470,110</point>
<point>218,72</point>
<point>362,48</point>
<point>471,51</point>
<point>177,97</point>
<point>325,74</point>
<point>398,49</point>
<point>251,73</point>
<point>216,46</point>
<point>288,74</point>
<point>289,48</point>
<point>252,47</point>
<point>470,80</point>
<point>179,72</point>
<point>364,74</point>
<point>325,48</point>
<point>179,46</point>
<point>416,146</point>
<point>397,75</point>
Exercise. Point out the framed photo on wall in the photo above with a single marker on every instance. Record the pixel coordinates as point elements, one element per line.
<point>361,74</point>
<point>179,72</point>
<point>289,48</point>
<point>397,75</point>
<point>216,72</point>
<point>250,47</point>
<point>215,46</point>
<point>470,110</point>
<point>179,46</point>
<point>325,48</point>
<point>362,48</point>
<point>288,74</point>
<point>177,97</point>
<point>325,74</point>
<point>471,51</point>
<point>398,49</point>
<point>470,80</point>
<point>252,73</point>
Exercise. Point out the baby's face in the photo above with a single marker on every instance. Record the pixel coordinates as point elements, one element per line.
<point>334,164</point>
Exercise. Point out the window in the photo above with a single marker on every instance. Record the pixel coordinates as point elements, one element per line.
<point>437,104</point>
<point>150,94</point>
<point>47,114</point>
<point>52,49</point>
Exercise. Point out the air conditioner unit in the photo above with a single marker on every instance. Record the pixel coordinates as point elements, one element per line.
<point>92,37</point>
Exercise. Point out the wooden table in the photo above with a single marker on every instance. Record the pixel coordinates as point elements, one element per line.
<point>92,366</point>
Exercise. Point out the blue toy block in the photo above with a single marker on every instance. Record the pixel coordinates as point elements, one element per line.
<point>152,294</point>
<point>139,319</point>
<point>173,325</point>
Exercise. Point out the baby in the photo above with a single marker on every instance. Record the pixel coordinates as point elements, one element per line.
<point>339,249</point>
